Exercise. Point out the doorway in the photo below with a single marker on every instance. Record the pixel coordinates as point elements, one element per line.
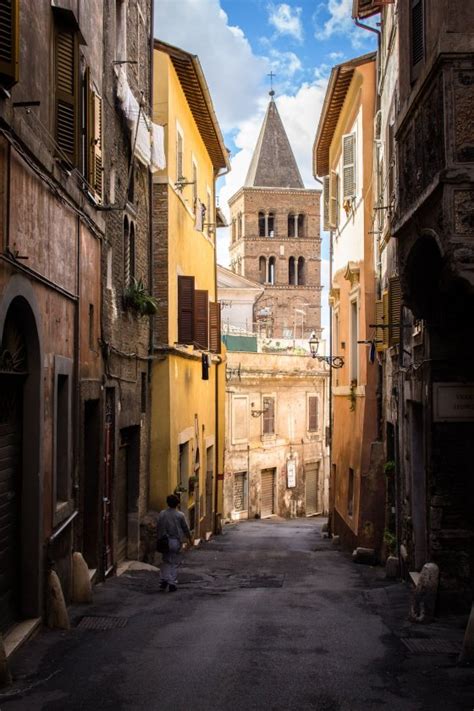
<point>91,512</point>
<point>268,492</point>
<point>313,489</point>
<point>418,484</point>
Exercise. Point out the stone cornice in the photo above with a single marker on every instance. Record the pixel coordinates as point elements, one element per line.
<point>274,191</point>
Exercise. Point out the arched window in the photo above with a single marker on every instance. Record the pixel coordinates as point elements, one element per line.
<point>291,271</point>
<point>301,226</point>
<point>261,224</point>
<point>132,250</point>
<point>271,270</point>
<point>271,224</point>
<point>301,271</point>
<point>262,270</point>
<point>239,225</point>
<point>233,230</point>
<point>291,225</point>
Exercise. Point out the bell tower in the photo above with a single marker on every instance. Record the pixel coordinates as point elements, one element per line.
<point>275,236</point>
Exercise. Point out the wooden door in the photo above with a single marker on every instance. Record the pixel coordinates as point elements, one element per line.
<point>268,492</point>
<point>10,495</point>
<point>121,498</point>
<point>312,490</point>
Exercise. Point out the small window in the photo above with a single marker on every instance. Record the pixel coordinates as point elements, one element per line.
<point>9,42</point>
<point>268,415</point>
<point>292,224</point>
<point>233,230</point>
<point>261,224</point>
<point>312,413</point>
<point>271,270</point>
<point>179,155</point>
<point>300,226</point>
<point>239,226</point>
<point>350,493</point>
<point>126,252</point>
<point>301,271</point>
<point>349,168</point>
<point>417,32</point>
<point>291,272</point>
<point>66,103</point>
<point>271,225</point>
<point>185,309</point>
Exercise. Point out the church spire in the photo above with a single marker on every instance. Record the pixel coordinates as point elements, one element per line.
<point>273,164</point>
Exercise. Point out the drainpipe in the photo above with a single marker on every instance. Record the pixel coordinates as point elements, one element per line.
<point>332,484</point>
<point>150,257</point>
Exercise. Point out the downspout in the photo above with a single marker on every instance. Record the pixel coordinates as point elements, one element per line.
<point>150,260</point>
<point>217,526</point>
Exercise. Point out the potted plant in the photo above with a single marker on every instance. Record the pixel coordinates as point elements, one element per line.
<point>139,300</point>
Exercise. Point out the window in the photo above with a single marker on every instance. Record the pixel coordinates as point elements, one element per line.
<point>350,493</point>
<point>62,430</point>
<point>301,271</point>
<point>312,413</point>
<point>268,415</point>
<point>354,324</point>
<point>271,270</point>
<point>262,269</point>
<point>66,103</point>
<point>128,252</point>
<point>120,30</point>
<point>185,309</point>
<point>291,225</point>
<point>271,225</point>
<point>239,226</point>
<point>261,224</point>
<point>9,42</point>
<point>233,230</point>
<point>348,166</point>
<point>93,134</point>
<point>300,226</point>
<point>417,33</point>
<point>291,271</point>
<point>214,326</point>
<point>394,310</point>
<point>239,418</point>
<point>201,319</point>
<point>179,155</point>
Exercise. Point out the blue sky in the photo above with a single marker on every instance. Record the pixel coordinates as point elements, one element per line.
<point>238,43</point>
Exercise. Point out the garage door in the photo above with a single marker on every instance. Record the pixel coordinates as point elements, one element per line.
<point>10,472</point>
<point>268,492</point>
<point>313,503</point>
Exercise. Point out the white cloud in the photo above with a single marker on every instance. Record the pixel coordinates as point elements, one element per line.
<point>285,64</point>
<point>234,73</point>
<point>340,22</point>
<point>335,55</point>
<point>286,20</point>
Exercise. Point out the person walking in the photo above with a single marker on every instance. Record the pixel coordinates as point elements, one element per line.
<point>172,524</point>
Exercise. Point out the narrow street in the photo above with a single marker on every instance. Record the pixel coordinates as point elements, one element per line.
<point>268,616</point>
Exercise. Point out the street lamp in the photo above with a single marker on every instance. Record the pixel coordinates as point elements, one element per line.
<point>333,361</point>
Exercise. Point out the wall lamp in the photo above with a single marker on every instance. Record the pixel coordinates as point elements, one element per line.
<point>257,413</point>
<point>333,361</point>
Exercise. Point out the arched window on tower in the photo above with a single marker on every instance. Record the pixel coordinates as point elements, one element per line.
<point>126,253</point>
<point>301,271</point>
<point>233,230</point>
<point>261,224</point>
<point>301,225</point>
<point>271,224</point>
<point>239,225</point>
<point>271,270</point>
<point>291,225</point>
<point>291,271</point>
<point>262,270</point>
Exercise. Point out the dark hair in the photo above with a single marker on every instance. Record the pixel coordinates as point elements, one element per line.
<point>172,501</point>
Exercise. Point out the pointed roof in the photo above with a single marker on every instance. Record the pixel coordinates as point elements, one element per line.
<point>273,164</point>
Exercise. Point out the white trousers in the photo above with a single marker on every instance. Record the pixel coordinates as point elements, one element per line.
<point>171,562</point>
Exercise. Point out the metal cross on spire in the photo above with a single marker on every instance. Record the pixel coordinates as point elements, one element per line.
<point>271,75</point>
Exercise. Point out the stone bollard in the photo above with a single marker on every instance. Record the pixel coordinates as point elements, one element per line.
<point>81,583</point>
<point>392,567</point>
<point>424,600</point>
<point>364,555</point>
<point>57,610</point>
<point>5,676</point>
<point>467,653</point>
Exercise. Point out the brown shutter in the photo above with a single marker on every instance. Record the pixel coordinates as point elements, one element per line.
<point>395,310</point>
<point>95,174</point>
<point>185,309</point>
<point>312,413</point>
<point>326,202</point>
<point>214,327</point>
<point>9,42</point>
<point>385,318</point>
<point>379,321</point>
<point>201,319</point>
<point>65,68</point>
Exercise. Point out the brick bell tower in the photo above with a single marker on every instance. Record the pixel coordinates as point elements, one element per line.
<point>275,236</point>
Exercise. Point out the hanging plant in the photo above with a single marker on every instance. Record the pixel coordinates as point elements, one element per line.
<point>139,300</point>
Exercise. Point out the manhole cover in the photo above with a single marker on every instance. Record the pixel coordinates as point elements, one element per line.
<point>432,646</point>
<point>101,623</point>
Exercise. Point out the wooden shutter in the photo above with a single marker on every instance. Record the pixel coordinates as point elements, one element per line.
<point>326,202</point>
<point>185,309</point>
<point>201,319</point>
<point>385,317</point>
<point>333,200</point>
<point>395,310</point>
<point>65,67</point>
<point>379,321</point>
<point>312,413</point>
<point>9,42</point>
<point>214,326</point>
<point>348,163</point>
<point>95,162</point>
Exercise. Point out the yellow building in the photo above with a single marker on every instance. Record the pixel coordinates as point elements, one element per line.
<point>187,375</point>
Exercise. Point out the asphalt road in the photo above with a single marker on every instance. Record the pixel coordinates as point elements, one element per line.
<point>268,616</point>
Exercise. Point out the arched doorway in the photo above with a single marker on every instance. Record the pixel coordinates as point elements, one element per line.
<point>20,460</point>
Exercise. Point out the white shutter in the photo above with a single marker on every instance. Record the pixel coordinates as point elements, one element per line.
<point>348,163</point>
